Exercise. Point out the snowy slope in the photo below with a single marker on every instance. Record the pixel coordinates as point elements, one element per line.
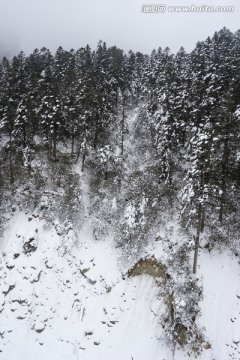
<point>58,303</point>
<point>220,308</point>
<point>64,307</point>
<point>221,304</point>
<point>69,297</point>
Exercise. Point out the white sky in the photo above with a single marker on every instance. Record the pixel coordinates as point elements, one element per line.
<point>29,24</point>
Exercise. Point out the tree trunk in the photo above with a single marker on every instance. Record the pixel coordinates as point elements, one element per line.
<point>49,148</point>
<point>106,170</point>
<point>24,135</point>
<point>83,159</point>
<point>55,142</point>
<point>84,149</point>
<point>96,132</point>
<point>72,149</point>
<point>224,173</point>
<point>200,227</point>
<point>122,128</point>
<point>10,161</point>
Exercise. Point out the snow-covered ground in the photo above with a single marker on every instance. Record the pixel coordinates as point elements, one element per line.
<point>77,304</point>
<point>221,304</point>
<point>58,303</point>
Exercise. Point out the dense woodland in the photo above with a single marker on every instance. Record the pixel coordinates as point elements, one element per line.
<point>179,159</point>
<point>189,121</point>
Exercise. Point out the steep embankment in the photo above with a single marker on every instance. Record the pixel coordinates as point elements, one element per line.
<point>65,295</point>
<point>60,300</point>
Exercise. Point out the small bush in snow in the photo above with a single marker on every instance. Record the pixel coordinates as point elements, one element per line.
<point>184,296</point>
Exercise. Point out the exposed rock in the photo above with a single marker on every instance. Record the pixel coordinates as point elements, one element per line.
<point>30,245</point>
<point>49,266</point>
<point>37,279</point>
<point>39,327</point>
<point>207,346</point>
<point>77,305</point>
<point>88,333</point>
<point>84,271</point>
<point>11,287</point>
<point>19,301</point>
<point>149,266</point>
<point>9,266</point>
<point>92,282</point>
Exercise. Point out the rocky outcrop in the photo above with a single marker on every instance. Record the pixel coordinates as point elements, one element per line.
<point>149,266</point>
<point>30,245</point>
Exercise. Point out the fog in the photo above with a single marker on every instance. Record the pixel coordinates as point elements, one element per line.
<point>29,24</point>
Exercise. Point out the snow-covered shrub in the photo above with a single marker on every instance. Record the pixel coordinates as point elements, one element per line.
<point>99,228</point>
<point>179,258</point>
<point>68,235</point>
<point>184,295</point>
<point>105,157</point>
<point>133,224</point>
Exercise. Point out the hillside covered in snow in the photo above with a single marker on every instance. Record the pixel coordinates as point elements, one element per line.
<point>119,204</point>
